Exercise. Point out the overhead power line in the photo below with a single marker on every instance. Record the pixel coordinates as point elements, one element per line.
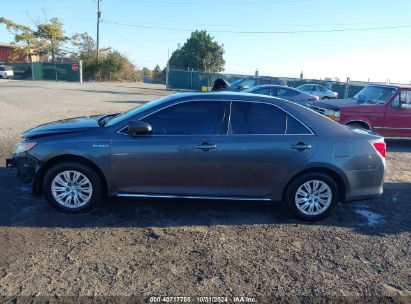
<point>389,27</point>
<point>123,37</point>
<point>217,2</point>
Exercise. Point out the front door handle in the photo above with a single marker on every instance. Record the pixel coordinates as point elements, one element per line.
<point>301,146</point>
<point>205,146</point>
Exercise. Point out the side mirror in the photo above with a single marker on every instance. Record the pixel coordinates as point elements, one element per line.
<point>136,127</point>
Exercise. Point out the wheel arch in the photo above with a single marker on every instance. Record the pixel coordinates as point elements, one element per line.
<point>341,181</point>
<point>361,122</point>
<point>37,184</point>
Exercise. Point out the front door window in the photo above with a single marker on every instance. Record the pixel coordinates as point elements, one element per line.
<point>188,118</point>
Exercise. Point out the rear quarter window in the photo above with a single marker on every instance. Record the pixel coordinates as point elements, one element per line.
<point>296,127</point>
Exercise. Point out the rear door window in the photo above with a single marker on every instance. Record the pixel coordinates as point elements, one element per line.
<point>287,93</point>
<point>254,118</point>
<point>263,91</point>
<point>406,97</point>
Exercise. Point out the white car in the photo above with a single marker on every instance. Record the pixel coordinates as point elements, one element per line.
<point>318,90</point>
<point>6,72</point>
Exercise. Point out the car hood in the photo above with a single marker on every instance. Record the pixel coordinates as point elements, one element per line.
<point>71,125</point>
<point>335,104</point>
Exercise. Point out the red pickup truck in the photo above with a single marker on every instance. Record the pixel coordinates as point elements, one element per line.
<point>384,109</point>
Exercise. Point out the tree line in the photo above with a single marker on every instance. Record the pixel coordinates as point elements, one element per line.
<point>47,40</point>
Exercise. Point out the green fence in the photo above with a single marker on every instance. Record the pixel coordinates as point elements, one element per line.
<point>56,71</point>
<point>67,71</point>
<point>194,81</point>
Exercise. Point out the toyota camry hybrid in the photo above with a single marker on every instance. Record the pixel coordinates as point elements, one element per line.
<point>232,146</point>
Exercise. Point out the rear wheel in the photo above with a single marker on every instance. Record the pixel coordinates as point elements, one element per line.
<point>72,187</point>
<point>311,197</point>
<point>325,98</point>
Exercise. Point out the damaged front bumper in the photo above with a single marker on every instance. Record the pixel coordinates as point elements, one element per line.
<point>27,166</point>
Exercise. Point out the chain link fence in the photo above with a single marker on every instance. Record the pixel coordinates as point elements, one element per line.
<point>196,81</point>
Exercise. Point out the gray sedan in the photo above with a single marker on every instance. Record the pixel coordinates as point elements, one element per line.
<point>318,90</point>
<point>225,146</point>
<point>284,92</point>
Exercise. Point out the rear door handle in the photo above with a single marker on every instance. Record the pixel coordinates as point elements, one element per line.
<point>205,146</point>
<point>301,147</point>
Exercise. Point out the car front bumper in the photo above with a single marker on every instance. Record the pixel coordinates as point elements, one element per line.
<point>27,166</point>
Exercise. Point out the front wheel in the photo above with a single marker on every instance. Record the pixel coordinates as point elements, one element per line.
<point>72,187</point>
<point>311,197</point>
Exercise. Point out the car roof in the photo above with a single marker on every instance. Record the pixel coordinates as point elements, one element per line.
<point>311,84</point>
<point>226,95</point>
<point>272,86</point>
<point>395,86</point>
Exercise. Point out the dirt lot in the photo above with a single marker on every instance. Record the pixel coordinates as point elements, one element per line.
<point>189,248</point>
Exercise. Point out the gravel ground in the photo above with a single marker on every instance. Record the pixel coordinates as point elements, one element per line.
<point>186,248</point>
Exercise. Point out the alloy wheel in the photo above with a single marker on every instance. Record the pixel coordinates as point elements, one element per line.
<point>71,189</point>
<point>313,197</point>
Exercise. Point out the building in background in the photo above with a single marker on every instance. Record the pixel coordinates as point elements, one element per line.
<point>8,54</point>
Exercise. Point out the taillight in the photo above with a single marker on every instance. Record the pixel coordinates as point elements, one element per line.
<point>381,147</point>
<point>313,99</point>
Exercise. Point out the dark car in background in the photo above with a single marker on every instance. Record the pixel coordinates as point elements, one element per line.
<point>224,146</point>
<point>284,92</point>
<point>245,83</point>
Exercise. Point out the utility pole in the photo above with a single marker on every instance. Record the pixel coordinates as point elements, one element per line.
<point>168,68</point>
<point>98,27</point>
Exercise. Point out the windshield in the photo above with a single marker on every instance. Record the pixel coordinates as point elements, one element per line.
<point>235,82</point>
<point>129,114</point>
<point>375,94</point>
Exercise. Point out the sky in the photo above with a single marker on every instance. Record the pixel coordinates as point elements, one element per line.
<point>360,39</point>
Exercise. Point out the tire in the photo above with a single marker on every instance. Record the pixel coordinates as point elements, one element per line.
<point>85,188</point>
<point>323,200</point>
<point>326,98</point>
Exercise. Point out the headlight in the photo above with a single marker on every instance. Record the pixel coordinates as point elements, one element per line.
<point>334,115</point>
<point>23,147</point>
